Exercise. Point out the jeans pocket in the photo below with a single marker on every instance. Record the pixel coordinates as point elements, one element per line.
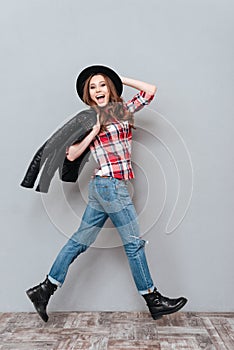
<point>123,194</point>
<point>121,184</point>
<point>106,191</point>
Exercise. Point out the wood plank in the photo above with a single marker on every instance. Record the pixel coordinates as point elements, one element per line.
<point>133,345</point>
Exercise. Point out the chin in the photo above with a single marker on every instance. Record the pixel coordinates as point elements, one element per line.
<point>104,104</point>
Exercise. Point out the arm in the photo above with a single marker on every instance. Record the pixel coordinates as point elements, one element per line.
<point>140,85</point>
<point>76,150</point>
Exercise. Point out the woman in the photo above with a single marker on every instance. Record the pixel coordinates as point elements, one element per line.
<point>110,143</point>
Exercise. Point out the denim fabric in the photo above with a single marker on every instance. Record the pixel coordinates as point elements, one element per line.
<point>108,197</point>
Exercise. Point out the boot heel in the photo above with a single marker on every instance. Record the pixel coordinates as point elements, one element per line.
<point>156,317</point>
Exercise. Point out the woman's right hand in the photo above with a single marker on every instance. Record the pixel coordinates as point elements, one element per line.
<point>74,151</point>
<point>97,126</point>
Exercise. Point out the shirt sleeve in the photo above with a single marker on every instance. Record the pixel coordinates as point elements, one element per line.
<point>138,101</point>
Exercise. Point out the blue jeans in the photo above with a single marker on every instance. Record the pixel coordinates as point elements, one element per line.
<point>108,197</point>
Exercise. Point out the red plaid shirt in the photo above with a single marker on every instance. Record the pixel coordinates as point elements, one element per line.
<point>112,148</point>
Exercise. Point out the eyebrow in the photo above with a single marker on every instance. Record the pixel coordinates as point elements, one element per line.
<point>102,81</point>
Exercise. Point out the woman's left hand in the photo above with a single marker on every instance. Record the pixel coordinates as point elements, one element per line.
<point>97,126</point>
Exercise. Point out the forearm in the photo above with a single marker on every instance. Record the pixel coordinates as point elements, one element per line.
<point>140,85</point>
<point>76,150</point>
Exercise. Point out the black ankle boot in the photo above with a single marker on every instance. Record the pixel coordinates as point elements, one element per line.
<point>159,305</point>
<point>40,295</point>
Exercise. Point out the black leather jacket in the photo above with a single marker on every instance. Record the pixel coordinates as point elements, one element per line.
<point>52,154</point>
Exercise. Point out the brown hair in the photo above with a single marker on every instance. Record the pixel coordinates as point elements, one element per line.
<point>115,107</point>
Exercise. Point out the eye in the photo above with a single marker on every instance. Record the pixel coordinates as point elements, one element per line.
<point>103,84</point>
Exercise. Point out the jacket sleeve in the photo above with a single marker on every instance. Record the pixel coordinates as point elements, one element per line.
<point>33,168</point>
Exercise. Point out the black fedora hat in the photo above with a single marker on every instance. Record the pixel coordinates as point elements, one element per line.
<point>92,70</point>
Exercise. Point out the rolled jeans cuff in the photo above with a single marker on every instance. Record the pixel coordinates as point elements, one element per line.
<point>52,280</point>
<point>149,290</point>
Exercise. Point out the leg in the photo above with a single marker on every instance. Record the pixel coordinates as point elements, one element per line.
<point>114,197</point>
<point>126,222</point>
<point>91,224</point>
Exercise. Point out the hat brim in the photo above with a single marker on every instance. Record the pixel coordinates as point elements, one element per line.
<point>92,70</point>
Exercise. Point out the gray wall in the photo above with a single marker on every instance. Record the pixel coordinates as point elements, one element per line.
<point>182,152</point>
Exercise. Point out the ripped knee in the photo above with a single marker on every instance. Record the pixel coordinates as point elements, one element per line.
<point>135,246</point>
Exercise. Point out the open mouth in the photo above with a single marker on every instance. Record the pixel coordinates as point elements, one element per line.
<point>100,99</point>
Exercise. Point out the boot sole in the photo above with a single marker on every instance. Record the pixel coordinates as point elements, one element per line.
<point>167,312</point>
<point>44,318</point>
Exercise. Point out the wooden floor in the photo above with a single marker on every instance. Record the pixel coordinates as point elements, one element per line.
<point>116,331</point>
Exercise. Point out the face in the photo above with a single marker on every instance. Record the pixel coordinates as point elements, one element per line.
<point>98,90</point>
